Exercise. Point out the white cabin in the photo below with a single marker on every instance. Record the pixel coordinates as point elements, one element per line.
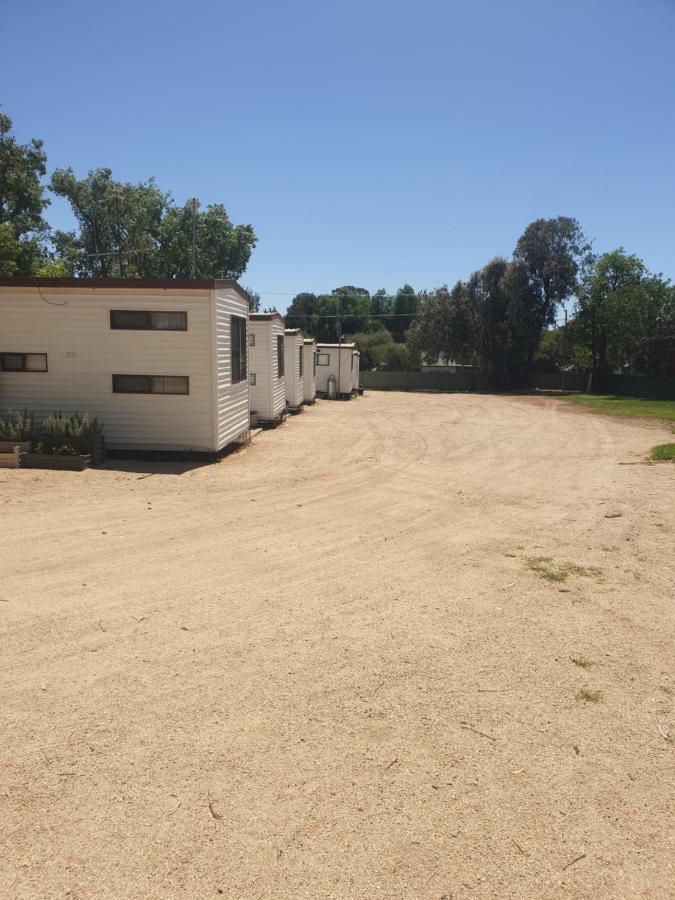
<point>356,371</point>
<point>161,362</point>
<point>266,367</point>
<point>336,360</point>
<point>309,376</point>
<point>295,364</point>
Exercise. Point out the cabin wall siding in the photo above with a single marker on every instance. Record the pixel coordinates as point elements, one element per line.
<point>309,378</point>
<point>346,373</point>
<point>356,371</point>
<point>83,353</point>
<point>295,388</point>
<point>232,407</point>
<point>268,394</point>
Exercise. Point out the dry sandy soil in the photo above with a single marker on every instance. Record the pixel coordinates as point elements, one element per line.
<point>323,667</point>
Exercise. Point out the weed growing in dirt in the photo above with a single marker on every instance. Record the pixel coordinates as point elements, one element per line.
<point>582,661</point>
<point>547,568</point>
<point>589,696</point>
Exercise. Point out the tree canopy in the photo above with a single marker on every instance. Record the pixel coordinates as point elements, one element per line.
<point>623,312</point>
<point>134,230</point>
<point>22,203</point>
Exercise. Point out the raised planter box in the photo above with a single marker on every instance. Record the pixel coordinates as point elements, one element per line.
<point>8,446</point>
<point>10,453</point>
<point>54,461</point>
<point>31,460</point>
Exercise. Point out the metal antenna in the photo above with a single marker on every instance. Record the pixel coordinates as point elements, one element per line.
<point>119,234</point>
<point>339,337</point>
<point>195,204</point>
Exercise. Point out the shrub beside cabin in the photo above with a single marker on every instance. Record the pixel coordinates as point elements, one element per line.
<point>162,363</point>
<point>267,366</point>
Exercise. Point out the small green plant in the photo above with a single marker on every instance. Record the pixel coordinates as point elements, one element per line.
<point>589,696</point>
<point>66,450</point>
<point>17,426</point>
<point>582,661</point>
<point>663,452</point>
<point>76,432</point>
<point>548,569</point>
<point>60,450</point>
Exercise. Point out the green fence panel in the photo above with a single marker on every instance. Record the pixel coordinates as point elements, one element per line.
<point>449,382</point>
<point>446,382</point>
<point>647,387</point>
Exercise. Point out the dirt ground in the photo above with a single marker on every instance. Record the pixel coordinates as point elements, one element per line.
<point>325,667</point>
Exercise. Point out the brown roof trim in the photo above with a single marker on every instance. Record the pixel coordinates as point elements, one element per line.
<point>259,317</point>
<point>167,284</point>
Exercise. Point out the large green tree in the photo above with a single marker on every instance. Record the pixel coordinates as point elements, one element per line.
<point>405,307</point>
<point>448,325</point>
<point>222,249</point>
<point>622,313</point>
<point>134,230</point>
<point>118,232</point>
<point>556,253</point>
<point>22,202</point>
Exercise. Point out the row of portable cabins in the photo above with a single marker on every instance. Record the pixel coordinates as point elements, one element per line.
<point>166,364</point>
<point>288,369</point>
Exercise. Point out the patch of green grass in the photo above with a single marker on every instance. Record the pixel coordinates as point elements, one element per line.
<point>548,569</point>
<point>589,696</point>
<point>630,407</point>
<point>663,451</point>
<point>583,661</point>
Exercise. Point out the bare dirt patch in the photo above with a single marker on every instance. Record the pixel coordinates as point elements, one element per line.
<point>321,668</point>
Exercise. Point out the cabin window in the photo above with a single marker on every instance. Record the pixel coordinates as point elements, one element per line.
<point>23,362</point>
<point>147,320</point>
<point>313,363</point>
<point>251,340</point>
<point>300,361</point>
<point>252,378</point>
<point>352,362</point>
<point>280,356</point>
<point>151,384</point>
<point>323,359</point>
<point>238,348</point>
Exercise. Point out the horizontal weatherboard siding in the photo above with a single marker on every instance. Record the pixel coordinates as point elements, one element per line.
<point>232,411</point>
<point>268,395</point>
<point>72,325</point>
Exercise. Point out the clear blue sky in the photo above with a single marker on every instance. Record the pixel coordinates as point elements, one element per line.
<point>370,142</point>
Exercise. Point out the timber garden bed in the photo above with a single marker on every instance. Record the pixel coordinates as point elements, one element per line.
<point>69,443</point>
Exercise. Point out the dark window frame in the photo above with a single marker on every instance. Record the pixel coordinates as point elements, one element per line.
<point>314,363</point>
<point>281,362</point>
<point>23,367</point>
<point>301,361</point>
<point>238,349</point>
<point>148,313</point>
<point>318,359</point>
<point>117,389</point>
<point>252,379</point>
